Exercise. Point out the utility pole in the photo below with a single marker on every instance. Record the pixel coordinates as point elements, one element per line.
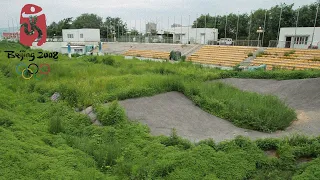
<point>264,26</point>
<point>295,31</point>
<point>225,28</point>
<point>238,26</point>
<point>315,23</point>
<point>280,22</point>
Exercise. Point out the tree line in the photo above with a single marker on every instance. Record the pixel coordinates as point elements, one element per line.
<point>247,27</point>
<point>250,22</point>
<point>109,27</point>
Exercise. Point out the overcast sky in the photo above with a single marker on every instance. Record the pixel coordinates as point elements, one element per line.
<point>132,11</point>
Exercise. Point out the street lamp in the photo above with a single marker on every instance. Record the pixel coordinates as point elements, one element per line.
<point>148,36</point>
<point>259,31</point>
<point>114,36</point>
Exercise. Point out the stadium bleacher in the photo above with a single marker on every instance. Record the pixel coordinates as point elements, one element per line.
<point>282,58</point>
<point>227,56</point>
<point>148,54</point>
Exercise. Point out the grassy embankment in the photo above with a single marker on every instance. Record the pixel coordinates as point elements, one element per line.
<point>41,139</point>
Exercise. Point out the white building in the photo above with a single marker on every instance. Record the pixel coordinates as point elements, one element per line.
<point>81,40</point>
<point>187,34</point>
<point>81,35</point>
<point>301,37</point>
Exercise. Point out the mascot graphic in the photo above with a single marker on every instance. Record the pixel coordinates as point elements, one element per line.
<point>33,25</point>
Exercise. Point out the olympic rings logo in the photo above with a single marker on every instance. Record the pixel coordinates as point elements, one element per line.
<point>33,70</point>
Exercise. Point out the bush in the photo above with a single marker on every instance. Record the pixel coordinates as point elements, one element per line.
<point>175,140</point>
<point>69,94</point>
<point>112,115</point>
<point>250,54</point>
<point>75,55</point>
<point>92,59</point>
<point>55,126</point>
<point>108,61</point>
<point>175,55</point>
<point>237,68</point>
<point>286,54</point>
<point>183,58</point>
<point>260,54</point>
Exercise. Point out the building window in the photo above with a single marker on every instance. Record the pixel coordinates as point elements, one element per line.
<point>78,50</point>
<point>301,40</point>
<point>81,35</point>
<point>70,36</point>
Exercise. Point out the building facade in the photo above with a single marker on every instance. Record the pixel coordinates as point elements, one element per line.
<point>81,35</point>
<point>151,27</point>
<point>301,37</point>
<point>188,35</point>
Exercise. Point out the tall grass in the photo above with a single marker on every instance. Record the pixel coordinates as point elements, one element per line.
<point>76,149</point>
<point>90,80</point>
<point>248,110</point>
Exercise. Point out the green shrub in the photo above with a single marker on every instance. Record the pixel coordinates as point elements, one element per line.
<point>250,54</point>
<point>75,55</point>
<point>5,122</point>
<point>92,59</point>
<point>209,142</point>
<point>260,54</point>
<point>69,94</point>
<point>183,58</point>
<point>55,125</point>
<point>175,140</point>
<point>268,144</point>
<point>237,68</point>
<point>112,115</point>
<point>289,53</point>
<point>292,52</point>
<point>108,61</point>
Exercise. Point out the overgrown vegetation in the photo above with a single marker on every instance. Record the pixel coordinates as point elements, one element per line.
<point>45,140</point>
<point>260,54</point>
<point>288,53</point>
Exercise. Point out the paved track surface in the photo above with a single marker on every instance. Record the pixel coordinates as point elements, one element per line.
<point>173,110</point>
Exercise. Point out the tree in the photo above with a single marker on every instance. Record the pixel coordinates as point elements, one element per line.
<point>289,17</point>
<point>115,25</point>
<point>56,29</point>
<point>87,21</point>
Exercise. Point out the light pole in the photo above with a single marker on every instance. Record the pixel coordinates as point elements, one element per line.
<point>114,36</point>
<point>129,32</point>
<point>148,36</point>
<point>315,23</point>
<point>259,31</point>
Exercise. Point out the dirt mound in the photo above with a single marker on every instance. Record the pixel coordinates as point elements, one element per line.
<point>301,94</point>
<point>173,110</point>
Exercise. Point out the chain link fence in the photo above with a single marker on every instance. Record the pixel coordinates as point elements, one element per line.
<point>170,40</point>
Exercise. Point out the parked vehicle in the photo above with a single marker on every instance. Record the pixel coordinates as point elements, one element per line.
<point>225,41</point>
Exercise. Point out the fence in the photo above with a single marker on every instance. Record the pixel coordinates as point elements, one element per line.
<point>170,40</point>
<point>294,44</point>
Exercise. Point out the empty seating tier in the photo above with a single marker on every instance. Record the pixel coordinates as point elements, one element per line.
<point>282,58</point>
<point>148,54</point>
<point>227,56</point>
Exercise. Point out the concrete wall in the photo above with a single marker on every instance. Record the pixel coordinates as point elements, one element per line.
<point>87,35</point>
<point>64,50</point>
<point>50,46</point>
<point>300,31</point>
